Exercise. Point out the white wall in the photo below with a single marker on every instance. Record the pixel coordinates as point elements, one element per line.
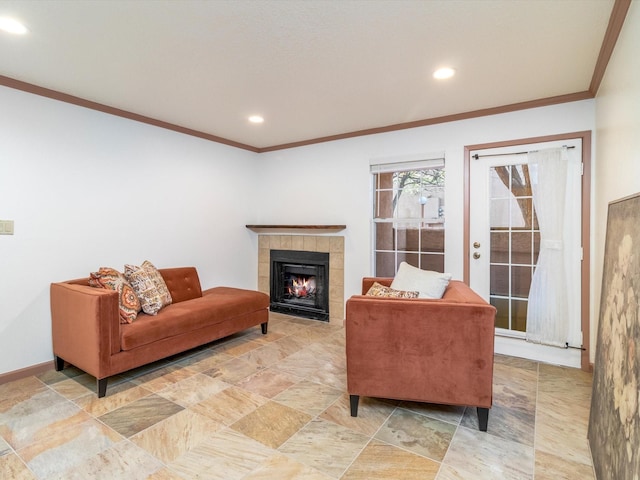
<point>330,182</point>
<point>618,135</point>
<point>87,189</point>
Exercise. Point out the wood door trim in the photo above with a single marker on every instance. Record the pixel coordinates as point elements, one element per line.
<point>585,137</point>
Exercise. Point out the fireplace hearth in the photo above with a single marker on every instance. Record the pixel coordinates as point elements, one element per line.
<point>300,283</point>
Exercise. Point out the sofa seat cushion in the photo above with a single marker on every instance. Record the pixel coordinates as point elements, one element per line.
<point>216,305</point>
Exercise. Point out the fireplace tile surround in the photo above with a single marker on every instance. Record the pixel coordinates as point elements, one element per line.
<point>333,245</point>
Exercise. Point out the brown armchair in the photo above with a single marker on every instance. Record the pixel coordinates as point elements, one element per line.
<point>424,350</point>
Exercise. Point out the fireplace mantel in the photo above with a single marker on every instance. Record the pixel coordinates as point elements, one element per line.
<point>272,227</point>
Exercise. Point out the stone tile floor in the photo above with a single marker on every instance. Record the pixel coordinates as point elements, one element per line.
<point>275,407</point>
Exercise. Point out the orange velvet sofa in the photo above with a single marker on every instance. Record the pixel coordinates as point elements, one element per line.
<point>87,332</point>
<point>424,350</point>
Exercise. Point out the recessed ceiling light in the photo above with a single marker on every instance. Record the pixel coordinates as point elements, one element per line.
<point>443,73</point>
<point>256,119</point>
<point>11,25</point>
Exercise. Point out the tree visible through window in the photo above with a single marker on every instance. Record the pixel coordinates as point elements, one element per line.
<point>408,219</point>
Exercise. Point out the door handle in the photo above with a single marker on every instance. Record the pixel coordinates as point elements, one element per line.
<point>476,255</point>
<point>476,244</point>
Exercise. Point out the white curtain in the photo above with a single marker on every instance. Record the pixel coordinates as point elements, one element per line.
<point>553,314</point>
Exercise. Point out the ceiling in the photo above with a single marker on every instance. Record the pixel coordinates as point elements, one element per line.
<point>312,68</point>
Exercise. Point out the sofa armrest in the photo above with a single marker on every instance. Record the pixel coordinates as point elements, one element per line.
<point>85,326</point>
<point>420,349</point>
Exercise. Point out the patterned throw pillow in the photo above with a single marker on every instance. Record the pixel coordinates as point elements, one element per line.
<point>111,279</point>
<point>149,286</point>
<point>378,290</point>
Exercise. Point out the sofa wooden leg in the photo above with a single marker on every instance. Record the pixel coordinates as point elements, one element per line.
<point>102,387</point>
<point>483,418</point>
<point>264,326</point>
<point>353,401</point>
<point>59,364</point>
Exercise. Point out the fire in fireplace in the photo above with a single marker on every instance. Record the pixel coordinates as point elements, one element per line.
<point>300,283</point>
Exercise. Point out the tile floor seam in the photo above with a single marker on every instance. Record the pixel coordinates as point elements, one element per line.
<point>371,438</point>
<point>355,458</point>
<point>426,414</point>
<point>441,463</point>
<point>330,346</point>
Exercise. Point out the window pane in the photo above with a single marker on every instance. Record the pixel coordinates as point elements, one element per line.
<point>407,239</point>
<point>410,258</point>
<point>413,201</point>
<point>385,264</point>
<point>384,236</point>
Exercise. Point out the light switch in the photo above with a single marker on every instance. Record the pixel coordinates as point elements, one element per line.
<point>6,227</point>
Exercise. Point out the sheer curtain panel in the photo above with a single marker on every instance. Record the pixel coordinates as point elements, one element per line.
<point>553,312</point>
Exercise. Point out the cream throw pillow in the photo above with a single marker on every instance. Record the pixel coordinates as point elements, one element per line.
<point>429,284</point>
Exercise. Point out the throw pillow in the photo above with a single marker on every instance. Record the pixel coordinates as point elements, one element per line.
<point>429,284</point>
<point>149,286</point>
<point>378,290</point>
<point>111,279</point>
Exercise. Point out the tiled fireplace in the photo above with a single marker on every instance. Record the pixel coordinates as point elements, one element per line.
<point>333,245</point>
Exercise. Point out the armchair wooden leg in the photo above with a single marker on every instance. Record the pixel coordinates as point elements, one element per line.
<point>59,364</point>
<point>483,418</point>
<point>264,326</point>
<point>102,387</point>
<point>353,401</point>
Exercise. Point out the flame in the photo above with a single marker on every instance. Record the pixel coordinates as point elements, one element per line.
<point>301,287</point>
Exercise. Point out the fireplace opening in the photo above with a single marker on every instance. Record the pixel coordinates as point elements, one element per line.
<point>300,283</point>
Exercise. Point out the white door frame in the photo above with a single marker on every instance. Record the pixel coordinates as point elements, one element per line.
<point>585,136</point>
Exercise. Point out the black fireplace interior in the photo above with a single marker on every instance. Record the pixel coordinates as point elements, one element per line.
<point>300,283</point>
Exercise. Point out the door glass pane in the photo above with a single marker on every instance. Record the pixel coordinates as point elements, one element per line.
<point>499,247</point>
<point>522,248</point>
<point>500,280</point>
<point>520,281</point>
<point>432,262</point>
<point>519,315</point>
<point>502,315</point>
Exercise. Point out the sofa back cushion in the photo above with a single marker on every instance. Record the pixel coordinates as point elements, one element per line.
<point>183,283</point>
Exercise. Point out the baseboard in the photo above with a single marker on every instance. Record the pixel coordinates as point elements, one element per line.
<point>26,372</point>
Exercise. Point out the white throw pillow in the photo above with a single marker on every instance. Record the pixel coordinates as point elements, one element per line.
<point>429,284</point>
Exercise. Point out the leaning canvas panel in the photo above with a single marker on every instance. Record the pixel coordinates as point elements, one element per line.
<point>614,423</point>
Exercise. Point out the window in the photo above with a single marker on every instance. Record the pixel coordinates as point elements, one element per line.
<point>408,216</point>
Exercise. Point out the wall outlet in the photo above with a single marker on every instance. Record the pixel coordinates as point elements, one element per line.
<point>6,227</point>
